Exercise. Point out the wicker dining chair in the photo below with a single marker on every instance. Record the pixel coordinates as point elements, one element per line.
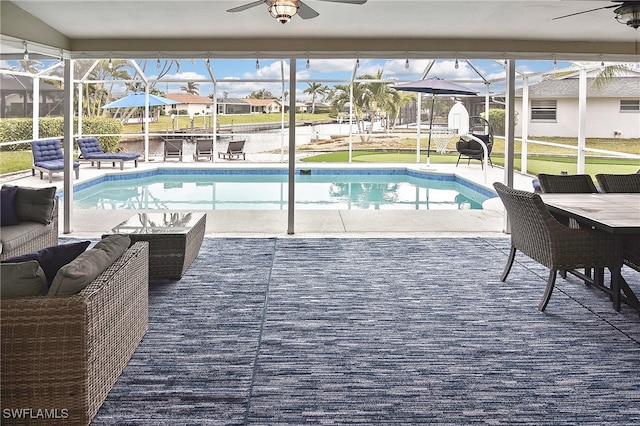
<point>537,234</point>
<point>566,184</point>
<point>624,184</point>
<point>619,183</point>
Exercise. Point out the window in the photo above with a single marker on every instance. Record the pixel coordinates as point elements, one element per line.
<point>543,110</point>
<point>630,106</point>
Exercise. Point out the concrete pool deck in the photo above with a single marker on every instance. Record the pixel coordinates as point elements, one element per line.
<point>92,223</point>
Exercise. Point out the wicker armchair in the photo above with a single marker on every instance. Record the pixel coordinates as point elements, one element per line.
<point>623,184</point>
<point>64,353</point>
<point>537,234</point>
<point>31,244</point>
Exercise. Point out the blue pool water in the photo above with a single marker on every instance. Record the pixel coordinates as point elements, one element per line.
<point>267,190</point>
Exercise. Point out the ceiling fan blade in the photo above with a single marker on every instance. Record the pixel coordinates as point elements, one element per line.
<point>247,6</point>
<point>306,12</point>
<point>587,11</point>
<point>346,1</point>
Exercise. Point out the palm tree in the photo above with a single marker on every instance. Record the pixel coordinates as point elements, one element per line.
<point>30,65</point>
<point>314,89</point>
<point>261,94</point>
<point>191,88</point>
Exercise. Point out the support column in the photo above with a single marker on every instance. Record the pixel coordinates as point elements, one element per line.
<point>67,145</point>
<point>292,146</point>
<point>582,118</point>
<point>509,131</point>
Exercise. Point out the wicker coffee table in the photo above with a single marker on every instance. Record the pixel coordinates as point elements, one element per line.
<point>174,240</point>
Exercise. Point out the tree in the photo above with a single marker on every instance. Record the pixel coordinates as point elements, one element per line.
<point>261,94</point>
<point>30,65</point>
<point>314,89</point>
<point>191,88</point>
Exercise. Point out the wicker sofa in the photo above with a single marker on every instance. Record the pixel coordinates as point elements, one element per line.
<point>29,235</point>
<point>61,355</point>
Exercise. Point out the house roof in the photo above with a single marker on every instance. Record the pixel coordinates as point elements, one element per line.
<point>187,98</point>
<point>620,87</point>
<point>18,83</point>
<point>232,101</point>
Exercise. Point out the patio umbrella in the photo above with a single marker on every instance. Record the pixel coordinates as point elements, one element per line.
<point>435,86</point>
<point>138,100</point>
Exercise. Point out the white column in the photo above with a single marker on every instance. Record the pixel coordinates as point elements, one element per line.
<point>509,130</point>
<point>67,145</point>
<point>292,146</point>
<point>524,164</point>
<point>36,108</point>
<point>582,118</point>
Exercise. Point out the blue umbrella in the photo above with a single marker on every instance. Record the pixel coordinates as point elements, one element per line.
<point>435,86</point>
<point>138,100</point>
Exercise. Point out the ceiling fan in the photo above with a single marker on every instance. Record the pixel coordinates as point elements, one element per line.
<point>284,10</point>
<point>626,12</point>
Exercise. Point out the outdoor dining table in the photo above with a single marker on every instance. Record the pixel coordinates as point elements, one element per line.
<point>615,213</point>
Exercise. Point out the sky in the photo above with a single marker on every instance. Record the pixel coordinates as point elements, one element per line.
<point>239,78</point>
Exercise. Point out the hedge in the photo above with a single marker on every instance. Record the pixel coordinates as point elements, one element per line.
<point>15,129</point>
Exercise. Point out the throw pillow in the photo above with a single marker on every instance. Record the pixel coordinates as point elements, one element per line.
<point>22,279</point>
<point>114,245</point>
<point>80,272</point>
<point>8,214</point>
<point>35,204</point>
<point>51,259</point>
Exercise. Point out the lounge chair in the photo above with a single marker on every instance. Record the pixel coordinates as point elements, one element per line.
<point>204,148</point>
<point>235,150</point>
<point>173,149</point>
<point>48,157</point>
<point>91,151</point>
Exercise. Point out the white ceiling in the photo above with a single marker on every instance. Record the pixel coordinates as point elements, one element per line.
<point>380,28</point>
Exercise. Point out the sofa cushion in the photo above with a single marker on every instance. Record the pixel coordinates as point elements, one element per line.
<point>80,272</point>
<point>16,235</point>
<point>51,259</point>
<point>22,279</point>
<point>35,204</point>
<point>8,215</point>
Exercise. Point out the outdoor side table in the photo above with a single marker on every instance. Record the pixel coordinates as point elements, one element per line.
<point>174,240</point>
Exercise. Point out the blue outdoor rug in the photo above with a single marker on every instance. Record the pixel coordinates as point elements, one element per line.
<point>267,331</point>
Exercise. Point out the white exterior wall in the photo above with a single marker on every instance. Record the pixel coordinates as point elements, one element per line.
<point>603,117</point>
<point>197,108</point>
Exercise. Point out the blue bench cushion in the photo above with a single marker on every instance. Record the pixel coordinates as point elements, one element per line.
<point>54,164</point>
<point>110,156</point>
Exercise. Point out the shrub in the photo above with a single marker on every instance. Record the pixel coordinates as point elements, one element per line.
<point>496,120</point>
<point>16,129</point>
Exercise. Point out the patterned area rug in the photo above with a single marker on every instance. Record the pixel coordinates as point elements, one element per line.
<point>377,331</point>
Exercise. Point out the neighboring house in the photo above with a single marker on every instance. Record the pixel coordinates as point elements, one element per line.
<point>308,106</point>
<point>233,106</point>
<point>259,106</point>
<point>16,97</point>
<point>612,110</point>
<point>192,104</point>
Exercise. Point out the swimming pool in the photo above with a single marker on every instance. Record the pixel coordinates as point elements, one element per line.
<point>213,189</point>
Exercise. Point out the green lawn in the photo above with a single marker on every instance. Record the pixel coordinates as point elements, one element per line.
<point>546,164</point>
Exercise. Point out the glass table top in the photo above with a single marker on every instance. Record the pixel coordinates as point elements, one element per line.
<point>158,223</point>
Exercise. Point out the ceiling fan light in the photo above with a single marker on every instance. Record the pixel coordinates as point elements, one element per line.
<point>628,15</point>
<point>283,10</point>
